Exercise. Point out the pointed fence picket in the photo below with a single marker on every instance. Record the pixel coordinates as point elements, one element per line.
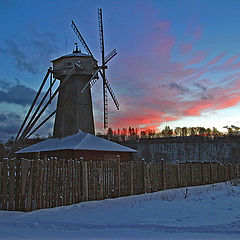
<point>27,185</point>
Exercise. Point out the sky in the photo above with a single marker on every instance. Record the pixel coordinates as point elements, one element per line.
<point>178,62</point>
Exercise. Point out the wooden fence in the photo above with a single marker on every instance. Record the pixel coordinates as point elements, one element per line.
<point>44,183</point>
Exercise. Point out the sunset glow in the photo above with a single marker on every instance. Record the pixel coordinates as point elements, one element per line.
<point>178,62</point>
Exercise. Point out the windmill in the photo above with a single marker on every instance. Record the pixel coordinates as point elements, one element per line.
<point>101,69</point>
<point>77,73</point>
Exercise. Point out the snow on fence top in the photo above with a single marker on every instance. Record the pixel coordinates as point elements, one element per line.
<point>79,141</point>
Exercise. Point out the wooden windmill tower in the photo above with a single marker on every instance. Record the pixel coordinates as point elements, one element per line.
<point>74,109</point>
<point>77,73</point>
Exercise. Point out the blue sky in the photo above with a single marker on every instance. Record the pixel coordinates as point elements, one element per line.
<point>177,63</point>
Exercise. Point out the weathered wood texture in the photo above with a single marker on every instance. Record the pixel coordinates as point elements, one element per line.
<point>27,185</point>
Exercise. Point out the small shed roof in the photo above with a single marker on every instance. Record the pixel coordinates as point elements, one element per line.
<point>79,141</point>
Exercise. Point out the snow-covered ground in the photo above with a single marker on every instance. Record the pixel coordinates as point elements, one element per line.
<point>204,212</point>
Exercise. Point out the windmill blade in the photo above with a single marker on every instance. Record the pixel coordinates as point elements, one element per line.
<point>112,54</point>
<point>100,28</point>
<point>111,92</point>
<point>93,82</point>
<point>90,80</point>
<point>105,108</point>
<point>81,39</point>
<point>103,74</point>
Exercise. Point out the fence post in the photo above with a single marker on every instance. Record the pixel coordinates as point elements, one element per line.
<point>24,172</point>
<point>54,182</point>
<point>218,172</point>
<point>85,180</point>
<point>108,179</point>
<point>163,174</point>
<point>44,179</point>
<point>202,173</point>
<point>101,180</point>
<point>119,175</point>
<point>210,172</point>
<point>225,172</point>
<point>178,175</point>
<point>29,192</point>
<point>234,172</point>
<point>18,184</point>
<point>191,173</point>
<point>11,183</point>
<point>4,184</point>
<point>50,181</point>
<point>34,184</point>
<point>143,177</point>
<point>147,177</point>
<point>47,181</point>
<point>131,177</point>
<point>78,179</point>
<point>39,183</point>
<point>229,172</point>
<point>222,171</point>
<point>69,173</point>
<point>1,185</point>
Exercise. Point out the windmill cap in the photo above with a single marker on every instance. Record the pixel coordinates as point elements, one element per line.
<point>74,54</point>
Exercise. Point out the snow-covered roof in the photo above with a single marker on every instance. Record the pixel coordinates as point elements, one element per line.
<point>79,141</point>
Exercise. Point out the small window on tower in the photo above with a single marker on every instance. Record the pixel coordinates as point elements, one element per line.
<point>69,64</point>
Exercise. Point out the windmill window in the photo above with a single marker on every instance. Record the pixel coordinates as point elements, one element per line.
<point>69,64</point>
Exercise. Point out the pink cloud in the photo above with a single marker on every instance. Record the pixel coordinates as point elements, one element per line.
<point>197,108</point>
<point>228,102</point>
<point>156,89</point>
<point>198,57</point>
<point>231,60</point>
<point>216,59</point>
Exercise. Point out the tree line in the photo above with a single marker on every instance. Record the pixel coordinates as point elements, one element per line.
<point>131,133</point>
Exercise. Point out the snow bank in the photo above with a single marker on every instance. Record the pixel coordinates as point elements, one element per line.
<point>203,212</point>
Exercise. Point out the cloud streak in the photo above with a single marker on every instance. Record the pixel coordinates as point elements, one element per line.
<point>22,96</point>
<point>30,55</point>
<point>160,76</point>
<point>159,89</point>
<point>19,94</point>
